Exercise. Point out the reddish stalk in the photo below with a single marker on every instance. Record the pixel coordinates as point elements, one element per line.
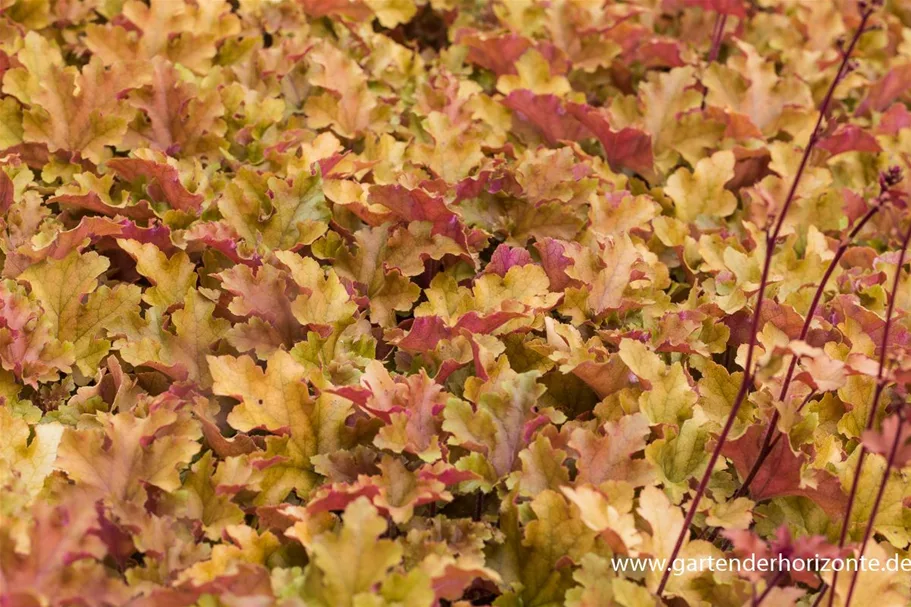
<point>771,240</point>
<point>773,583</point>
<point>868,531</point>
<point>822,593</point>
<point>714,532</point>
<point>767,442</point>
<point>871,416</point>
<point>717,36</point>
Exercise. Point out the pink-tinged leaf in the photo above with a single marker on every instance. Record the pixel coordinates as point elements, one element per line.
<point>418,205</point>
<point>783,547</point>
<point>737,126</point>
<point>90,230</point>
<point>782,316</point>
<point>157,234</point>
<point>546,114</point>
<point>28,348</point>
<point>640,44</point>
<point>732,8</point>
<point>90,201</point>
<point>502,421</point>
<point>505,257</point>
<point>492,181</point>
<point>60,538</point>
<point>395,491</point>
<point>6,192</point>
<point>886,90</point>
<point>607,455</point>
<point>163,182</point>
<point>409,408</point>
<point>661,53</point>
<point>555,263</point>
<point>349,9</point>
<point>895,434</point>
<point>36,155</point>
<point>475,323</point>
<point>750,166</point>
<point>239,444</point>
<point>179,115</point>
<point>223,238</point>
<point>604,378</point>
<point>246,584</point>
<point>499,54</point>
<point>425,333</point>
<point>847,306</point>
<point>455,579</point>
<point>849,138</point>
<point>263,292</point>
<point>627,148</point>
<point>896,118</point>
<point>336,497</point>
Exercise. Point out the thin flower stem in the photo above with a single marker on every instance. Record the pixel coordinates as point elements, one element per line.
<point>717,36</point>
<point>821,595</point>
<point>771,584</point>
<point>871,416</point>
<point>767,445</point>
<point>757,313</point>
<point>879,496</point>
<point>714,532</point>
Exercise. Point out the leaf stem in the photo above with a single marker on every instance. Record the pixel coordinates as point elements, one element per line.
<point>879,496</point>
<point>754,327</point>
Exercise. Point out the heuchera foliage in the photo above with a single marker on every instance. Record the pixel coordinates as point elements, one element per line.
<point>378,302</point>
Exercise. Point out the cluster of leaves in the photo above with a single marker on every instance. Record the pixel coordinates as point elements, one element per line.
<point>379,302</point>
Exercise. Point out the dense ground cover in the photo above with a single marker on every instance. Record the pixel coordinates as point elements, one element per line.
<point>370,303</point>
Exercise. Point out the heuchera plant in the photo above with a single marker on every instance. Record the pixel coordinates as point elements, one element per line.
<point>365,303</point>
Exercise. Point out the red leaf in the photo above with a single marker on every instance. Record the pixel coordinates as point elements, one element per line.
<point>59,537</point>
<point>418,205</point>
<point>627,148</point>
<point>165,182</point>
<point>248,581</point>
<point>90,201</point>
<point>499,54</point>
<point>780,475</point>
<point>352,9</point>
<point>660,53</point>
<point>896,118</point>
<point>6,192</point>
<point>882,441</point>
<point>547,115</point>
<point>850,138</point>
<point>222,238</point>
<point>733,8</point>
<point>505,257</point>
<point>887,89</point>
<point>555,263</point>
